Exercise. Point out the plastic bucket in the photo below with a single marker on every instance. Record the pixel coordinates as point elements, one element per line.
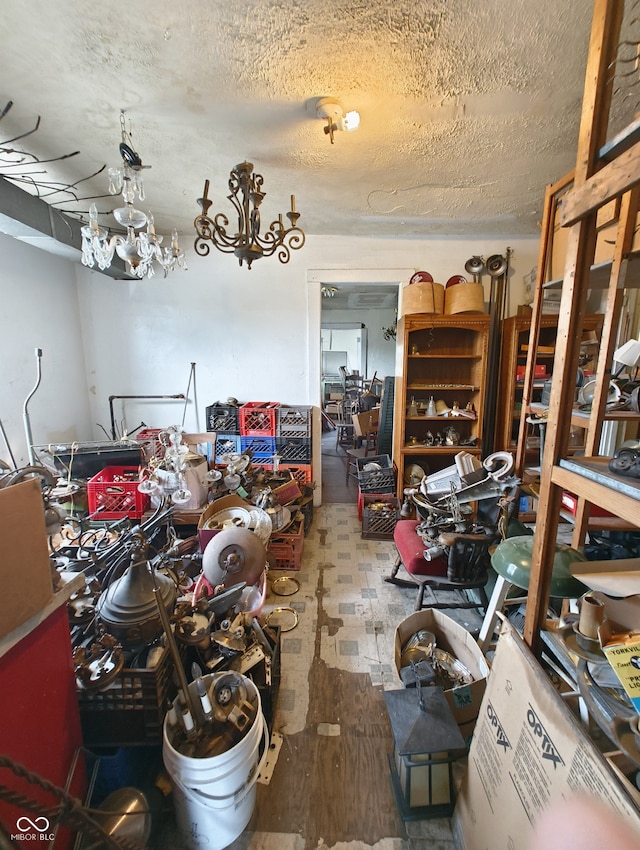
<point>214,797</point>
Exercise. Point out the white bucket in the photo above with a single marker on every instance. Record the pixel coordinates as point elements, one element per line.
<point>214,797</point>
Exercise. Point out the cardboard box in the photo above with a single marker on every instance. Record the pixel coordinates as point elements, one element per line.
<point>231,501</point>
<point>464,700</point>
<point>366,422</point>
<point>528,752</point>
<point>25,570</point>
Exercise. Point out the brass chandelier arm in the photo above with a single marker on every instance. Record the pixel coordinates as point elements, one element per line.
<point>246,196</point>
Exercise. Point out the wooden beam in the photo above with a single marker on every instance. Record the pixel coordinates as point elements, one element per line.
<point>613,180</point>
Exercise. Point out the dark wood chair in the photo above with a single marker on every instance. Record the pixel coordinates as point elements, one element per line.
<point>464,565</point>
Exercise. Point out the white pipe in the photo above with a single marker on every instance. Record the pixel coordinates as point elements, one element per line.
<point>25,414</point>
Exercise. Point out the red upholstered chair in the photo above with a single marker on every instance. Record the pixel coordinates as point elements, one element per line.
<point>464,566</point>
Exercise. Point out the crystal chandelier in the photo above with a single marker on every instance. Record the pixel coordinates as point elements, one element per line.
<point>142,250</point>
<point>246,195</point>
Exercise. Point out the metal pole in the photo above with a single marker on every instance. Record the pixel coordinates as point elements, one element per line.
<point>25,413</point>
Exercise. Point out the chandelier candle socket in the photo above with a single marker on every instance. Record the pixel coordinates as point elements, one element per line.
<point>246,195</point>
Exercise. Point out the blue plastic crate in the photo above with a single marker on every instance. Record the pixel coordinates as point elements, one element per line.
<point>260,448</point>
<point>226,444</point>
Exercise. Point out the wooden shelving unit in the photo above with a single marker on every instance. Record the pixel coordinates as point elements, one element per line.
<point>444,357</point>
<point>516,331</point>
<point>604,172</point>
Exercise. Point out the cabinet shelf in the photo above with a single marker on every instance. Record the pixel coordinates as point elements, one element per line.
<point>467,388</point>
<point>449,363</point>
<point>444,420</point>
<point>444,356</point>
<point>516,332</point>
<point>580,418</point>
<point>439,450</point>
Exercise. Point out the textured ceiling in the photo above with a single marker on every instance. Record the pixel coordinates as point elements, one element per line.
<point>468,109</point>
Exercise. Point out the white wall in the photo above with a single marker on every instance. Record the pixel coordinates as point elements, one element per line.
<point>252,334</point>
<point>39,309</point>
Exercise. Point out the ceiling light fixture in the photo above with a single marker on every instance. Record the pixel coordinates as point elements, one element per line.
<point>331,111</point>
<point>246,195</point>
<point>328,291</point>
<point>141,251</point>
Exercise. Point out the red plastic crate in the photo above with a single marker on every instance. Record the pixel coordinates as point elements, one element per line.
<point>258,418</point>
<point>113,494</point>
<point>302,473</point>
<point>287,549</point>
<point>151,445</point>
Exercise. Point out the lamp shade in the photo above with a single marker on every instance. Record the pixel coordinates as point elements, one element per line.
<point>628,354</point>
<point>512,558</point>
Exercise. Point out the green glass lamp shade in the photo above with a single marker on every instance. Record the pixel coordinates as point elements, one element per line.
<point>511,559</point>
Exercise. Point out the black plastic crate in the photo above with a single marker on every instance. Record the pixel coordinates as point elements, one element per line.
<point>294,449</point>
<point>380,514</point>
<point>222,417</point>
<point>376,474</point>
<point>130,711</point>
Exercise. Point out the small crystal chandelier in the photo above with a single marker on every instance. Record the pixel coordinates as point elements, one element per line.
<point>246,195</point>
<point>143,250</point>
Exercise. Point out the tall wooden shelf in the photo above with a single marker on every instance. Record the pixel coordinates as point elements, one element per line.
<point>516,331</point>
<point>604,173</point>
<point>444,357</point>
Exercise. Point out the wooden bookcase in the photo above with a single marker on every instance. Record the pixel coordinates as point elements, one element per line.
<point>444,357</point>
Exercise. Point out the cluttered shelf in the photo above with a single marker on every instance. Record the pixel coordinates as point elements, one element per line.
<point>598,521</point>
<point>591,478</point>
<point>600,274</point>
<point>580,418</point>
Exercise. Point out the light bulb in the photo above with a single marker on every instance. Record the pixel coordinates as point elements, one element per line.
<point>351,120</point>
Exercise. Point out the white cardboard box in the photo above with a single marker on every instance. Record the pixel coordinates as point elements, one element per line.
<point>528,751</point>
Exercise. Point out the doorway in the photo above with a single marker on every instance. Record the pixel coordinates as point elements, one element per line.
<point>362,301</point>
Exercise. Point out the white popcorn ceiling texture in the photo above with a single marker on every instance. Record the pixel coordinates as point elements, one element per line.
<point>468,109</point>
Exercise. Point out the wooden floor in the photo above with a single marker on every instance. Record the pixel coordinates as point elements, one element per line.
<point>331,783</point>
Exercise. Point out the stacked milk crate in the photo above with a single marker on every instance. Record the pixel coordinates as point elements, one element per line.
<point>224,421</point>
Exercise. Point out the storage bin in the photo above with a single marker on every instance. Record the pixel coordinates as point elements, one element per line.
<point>222,417</point>
<point>258,418</point>
<point>301,472</point>
<point>294,449</point>
<point>150,442</point>
<point>380,513</point>
<point>294,422</point>
<point>259,448</point>
<point>287,549</point>
<point>113,494</point>
<point>130,711</point>
<point>380,480</point>
<point>226,444</point>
